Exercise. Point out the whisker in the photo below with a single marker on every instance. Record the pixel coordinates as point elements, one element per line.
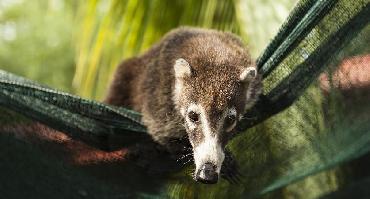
<point>185,156</point>
<point>248,118</point>
<point>185,163</point>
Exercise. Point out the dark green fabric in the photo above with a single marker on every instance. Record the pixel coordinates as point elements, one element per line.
<point>295,131</point>
<point>84,119</point>
<point>292,86</point>
<point>303,18</point>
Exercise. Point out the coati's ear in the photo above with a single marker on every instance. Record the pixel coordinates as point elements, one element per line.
<point>182,68</point>
<point>248,73</point>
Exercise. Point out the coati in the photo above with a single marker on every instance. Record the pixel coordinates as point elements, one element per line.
<point>195,83</point>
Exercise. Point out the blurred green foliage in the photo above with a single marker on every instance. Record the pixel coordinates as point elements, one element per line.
<point>111,30</point>
<point>55,41</point>
<point>36,40</point>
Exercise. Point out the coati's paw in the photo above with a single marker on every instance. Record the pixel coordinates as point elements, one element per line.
<point>230,169</point>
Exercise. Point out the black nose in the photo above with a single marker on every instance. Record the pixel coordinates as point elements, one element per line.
<point>207,174</point>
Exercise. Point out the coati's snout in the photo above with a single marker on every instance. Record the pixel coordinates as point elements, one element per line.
<point>211,101</point>
<point>208,157</point>
<point>208,131</point>
<point>208,147</point>
<point>207,174</point>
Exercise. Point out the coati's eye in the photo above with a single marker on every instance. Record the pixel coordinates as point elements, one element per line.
<point>193,116</point>
<point>230,120</point>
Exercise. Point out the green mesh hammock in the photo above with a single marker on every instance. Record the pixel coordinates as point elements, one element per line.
<point>304,127</point>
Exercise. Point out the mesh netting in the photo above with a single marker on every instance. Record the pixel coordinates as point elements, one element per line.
<point>312,119</point>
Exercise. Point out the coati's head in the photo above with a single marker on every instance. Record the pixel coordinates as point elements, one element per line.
<point>214,85</point>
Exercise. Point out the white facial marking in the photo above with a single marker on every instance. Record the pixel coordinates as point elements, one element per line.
<point>231,112</point>
<point>182,111</point>
<point>209,150</point>
<point>248,73</point>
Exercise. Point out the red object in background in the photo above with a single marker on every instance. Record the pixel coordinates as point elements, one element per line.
<point>352,73</point>
<point>58,143</point>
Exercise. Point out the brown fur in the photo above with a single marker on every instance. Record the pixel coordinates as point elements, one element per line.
<point>146,83</point>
